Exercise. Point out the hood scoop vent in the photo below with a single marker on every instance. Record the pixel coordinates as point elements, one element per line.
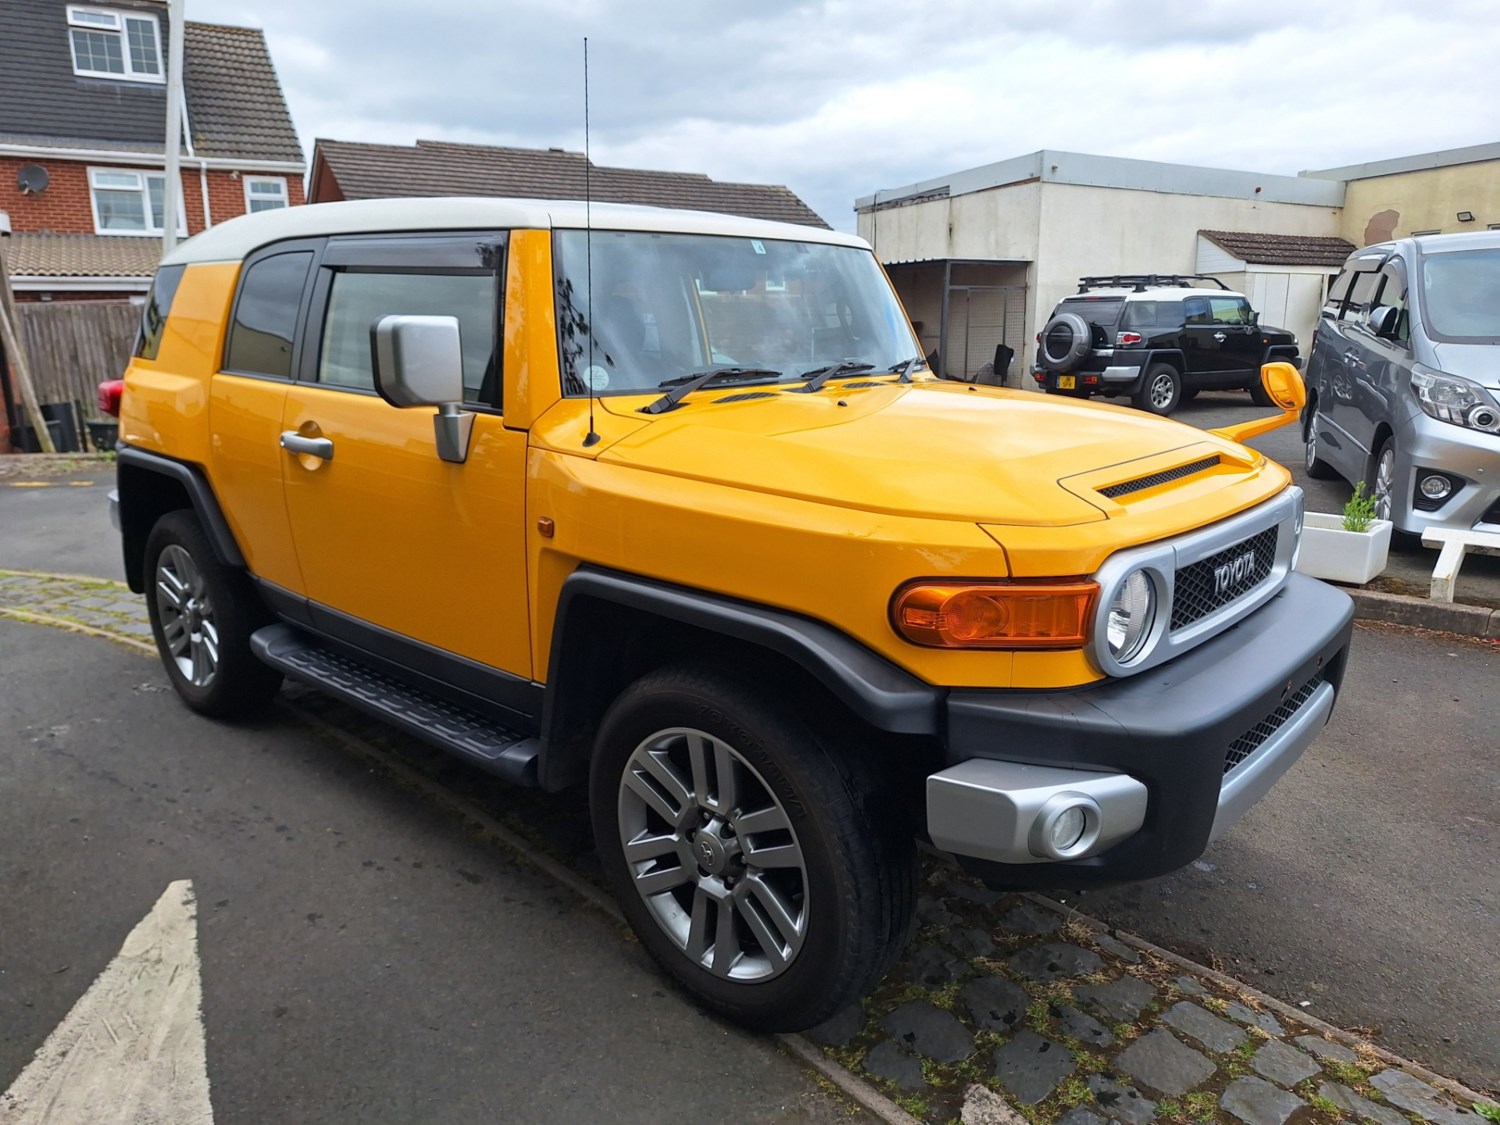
<point>747,396</point>
<point>1140,484</point>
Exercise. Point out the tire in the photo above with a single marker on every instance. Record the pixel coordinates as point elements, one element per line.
<point>202,614</point>
<point>1382,479</point>
<point>1066,342</point>
<point>1258,395</point>
<point>778,945</point>
<point>1316,467</point>
<point>1161,390</point>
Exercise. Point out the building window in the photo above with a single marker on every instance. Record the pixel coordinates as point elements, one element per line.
<point>128,202</point>
<point>265,193</point>
<point>113,44</point>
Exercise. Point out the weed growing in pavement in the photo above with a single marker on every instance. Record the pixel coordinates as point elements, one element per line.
<point>1169,1110</point>
<point>1200,1105</point>
<point>1216,1004</point>
<point>1038,1015</point>
<point>1347,1073</point>
<point>1487,1111</point>
<point>914,1106</point>
<point>1073,1091</point>
<point>1323,1105</point>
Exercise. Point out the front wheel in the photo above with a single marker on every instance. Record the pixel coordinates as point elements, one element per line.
<point>1383,479</point>
<point>748,855</point>
<point>202,614</point>
<point>1317,468</point>
<point>1161,390</point>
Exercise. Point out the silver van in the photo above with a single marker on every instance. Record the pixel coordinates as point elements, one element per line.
<point>1403,384</point>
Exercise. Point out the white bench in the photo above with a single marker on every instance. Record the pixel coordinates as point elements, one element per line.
<point>1455,544</point>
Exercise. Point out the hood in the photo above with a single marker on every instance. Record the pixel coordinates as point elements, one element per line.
<point>1479,362</point>
<point>1276,335</point>
<point>929,449</point>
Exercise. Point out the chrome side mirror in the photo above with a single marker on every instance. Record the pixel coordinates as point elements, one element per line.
<point>418,361</point>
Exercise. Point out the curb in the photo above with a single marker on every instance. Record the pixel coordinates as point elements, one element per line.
<point>1445,617</point>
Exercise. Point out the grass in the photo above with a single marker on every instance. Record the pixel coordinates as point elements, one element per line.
<point>1487,1111</point>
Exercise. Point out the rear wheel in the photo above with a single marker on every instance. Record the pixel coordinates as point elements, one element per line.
<point>747,853</point>
<point>202,614</point>
<point>1161,390</point>
<point>1383,479</point>
<point>1317,468</point>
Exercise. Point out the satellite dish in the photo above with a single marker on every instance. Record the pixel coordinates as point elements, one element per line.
<point>32,178</point>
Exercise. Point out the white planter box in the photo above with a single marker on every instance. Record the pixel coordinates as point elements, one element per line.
<point>1352,557</point>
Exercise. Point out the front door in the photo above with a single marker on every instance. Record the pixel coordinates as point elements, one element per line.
<point>1240,344</point>
<point>388,534</point>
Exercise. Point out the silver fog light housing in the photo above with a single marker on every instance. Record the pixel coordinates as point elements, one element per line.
<point>1132,612</point>
<point>1435,486</point>
<point>1066,827</point>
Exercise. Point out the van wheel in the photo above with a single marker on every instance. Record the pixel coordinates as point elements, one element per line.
<point>202,614</point>
<point>1383,479</point>
<point>1161,390</point>
<point>1317,468</point>
<point>745,851</point>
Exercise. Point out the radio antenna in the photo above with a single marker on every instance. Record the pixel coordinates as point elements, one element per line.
<point>592,438</point>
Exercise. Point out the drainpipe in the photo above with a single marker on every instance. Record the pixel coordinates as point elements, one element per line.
<point>173,186</point>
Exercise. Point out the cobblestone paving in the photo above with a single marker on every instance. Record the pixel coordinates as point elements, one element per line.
<point>1001,994</point>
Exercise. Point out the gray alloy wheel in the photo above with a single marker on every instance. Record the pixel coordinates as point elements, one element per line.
<point>713,855</point>
<point>1160,391</point>
<point>1385,479</point>
<point>1317,468</point>
<point>187,616</point>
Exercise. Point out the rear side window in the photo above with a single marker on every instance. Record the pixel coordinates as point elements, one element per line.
<point>1362,293</point>
<point>265,316</point>
<point>1337,291</point>
<point>158,307</point>
<point>1152,314</point>
<point>1195,311</point>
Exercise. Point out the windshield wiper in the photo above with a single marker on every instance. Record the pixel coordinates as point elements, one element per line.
<point>906,367</point>
<point>820,375</point>
<point>684,385</point>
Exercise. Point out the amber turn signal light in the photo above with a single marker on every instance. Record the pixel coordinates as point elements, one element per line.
<point>1036,613</point>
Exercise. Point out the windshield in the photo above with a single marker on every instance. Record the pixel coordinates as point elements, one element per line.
<point>669,305</point>
<point>1461,296</point>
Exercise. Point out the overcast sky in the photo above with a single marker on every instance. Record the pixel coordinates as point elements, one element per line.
<point>839,98</point>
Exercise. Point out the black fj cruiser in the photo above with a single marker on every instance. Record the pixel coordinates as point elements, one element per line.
<point>1158,339</point>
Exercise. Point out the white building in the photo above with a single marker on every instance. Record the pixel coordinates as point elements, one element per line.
<point>981,256</point>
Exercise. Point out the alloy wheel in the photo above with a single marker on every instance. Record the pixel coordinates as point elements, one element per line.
<point>187,617</point>
<point>712,853</point>
<point>1385,479</point>
<point>1161,391</point>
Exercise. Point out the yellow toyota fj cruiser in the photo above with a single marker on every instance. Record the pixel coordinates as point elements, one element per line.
<point>667,504</point>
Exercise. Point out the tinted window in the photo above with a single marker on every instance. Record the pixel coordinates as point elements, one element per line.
<point>265,317</point>
<point>1149,314</point>
<point>1195,311</point>
<point>158,306</point>
<point>1097,311</point>
<point>357,299</point>
<point>1229,310</point>
<point>1393,293</point>
<point>1337,291</point>
<point>1363,291</point>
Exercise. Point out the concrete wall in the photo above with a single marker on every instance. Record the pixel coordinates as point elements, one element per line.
<point>997,224</point>
<point>1430,199</point>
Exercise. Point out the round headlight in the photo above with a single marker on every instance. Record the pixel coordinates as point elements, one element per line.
<point>1132,611</point>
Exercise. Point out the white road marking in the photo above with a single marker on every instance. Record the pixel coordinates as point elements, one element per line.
<point>131,1050</point>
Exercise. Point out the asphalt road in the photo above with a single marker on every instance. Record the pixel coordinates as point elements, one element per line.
<point>60,524</point>
<point>364,956</point>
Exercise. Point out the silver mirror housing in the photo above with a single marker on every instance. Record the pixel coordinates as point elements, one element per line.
<point>418,361</point>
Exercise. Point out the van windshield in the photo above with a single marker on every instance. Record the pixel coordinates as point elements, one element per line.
<point>667,305</point>
<point>1461,296</point>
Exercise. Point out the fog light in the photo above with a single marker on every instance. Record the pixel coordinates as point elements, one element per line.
<point>1435,487</point>
<point>1066,827</point>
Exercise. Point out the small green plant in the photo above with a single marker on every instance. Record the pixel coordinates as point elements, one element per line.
<point>1487,1111</point>
<point>1359,510</point>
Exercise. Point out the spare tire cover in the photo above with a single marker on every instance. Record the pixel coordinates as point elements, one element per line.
<point>1066,341</point>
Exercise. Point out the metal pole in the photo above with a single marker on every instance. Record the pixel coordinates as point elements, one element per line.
<point>172,192</point>
<point>15,355</point>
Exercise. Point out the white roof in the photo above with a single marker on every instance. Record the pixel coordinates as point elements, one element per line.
<point>230,241</point>
<point>1156,292</point>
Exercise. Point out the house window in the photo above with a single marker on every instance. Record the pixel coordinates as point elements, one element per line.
<point>127,202</point>
<point>265,193</point>
<point>113,44</point>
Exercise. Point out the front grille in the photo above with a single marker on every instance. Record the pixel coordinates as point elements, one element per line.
<point>747,396</point>
<point>1125,488</point>
<point>1197,592</point>
<point>1254,738</point>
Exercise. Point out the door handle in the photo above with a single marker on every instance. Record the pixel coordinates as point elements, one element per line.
<point>1219,336</point>
<point>320,447</point>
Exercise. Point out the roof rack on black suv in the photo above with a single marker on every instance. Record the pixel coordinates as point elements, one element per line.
<point>1140,281</point>
<point>1158,339</point>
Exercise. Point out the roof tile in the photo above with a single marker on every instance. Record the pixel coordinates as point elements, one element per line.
<point>1281,249</point>
<point>82,255</point>
<point>430,168</point>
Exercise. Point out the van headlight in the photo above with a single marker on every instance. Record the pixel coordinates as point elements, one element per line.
<point>1451,399</point>
<point>1132,612</point>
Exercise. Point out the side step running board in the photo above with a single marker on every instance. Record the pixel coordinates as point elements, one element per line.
<point>503,752</point>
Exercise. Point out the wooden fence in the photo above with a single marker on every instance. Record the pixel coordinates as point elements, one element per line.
<point>74,345</point>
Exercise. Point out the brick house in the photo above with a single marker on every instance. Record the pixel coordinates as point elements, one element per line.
<point>82,121</point>
<point>82,118</point>
<point>350,170</point>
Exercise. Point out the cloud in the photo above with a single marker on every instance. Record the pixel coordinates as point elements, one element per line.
<point>839,98</point>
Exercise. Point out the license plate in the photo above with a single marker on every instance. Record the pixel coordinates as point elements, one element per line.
<point>1066,382</point>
